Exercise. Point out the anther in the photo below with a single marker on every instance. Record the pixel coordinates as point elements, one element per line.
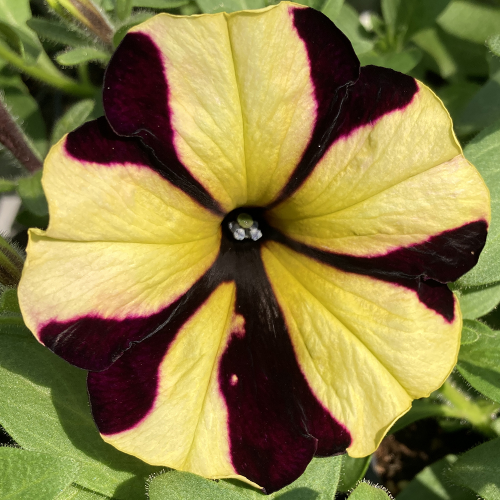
<point>245,228</point>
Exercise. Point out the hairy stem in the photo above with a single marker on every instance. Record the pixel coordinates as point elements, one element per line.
<point>12,137</point>
<point>464,408</point>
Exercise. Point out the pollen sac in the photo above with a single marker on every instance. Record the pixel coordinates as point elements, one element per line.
<point>240,233</point>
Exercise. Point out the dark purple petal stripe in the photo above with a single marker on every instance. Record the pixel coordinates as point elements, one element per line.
<point>96,142</point>
<point>333,67</point>
<point>276,424</point>
<point>135,99</point>
<point>95,343</point>
<point>378,91</point>
<point>122,395</point>
<point>423,267</point>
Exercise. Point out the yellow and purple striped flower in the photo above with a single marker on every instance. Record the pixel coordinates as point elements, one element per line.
<point>250,251</point>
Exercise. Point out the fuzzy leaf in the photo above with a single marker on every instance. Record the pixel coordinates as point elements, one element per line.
<point>478,470</point>
<point>75,116</point>
<point>484,152</point>
<point>479,361</point>
<point>319,482</point>
<point>353,469</point>
<point>483,109</point>
<point>31,192</point>
<point>332,8</point>
<point>45,408</point>
<point>432,484</point>
<point>174,485</point>
<point>9,302</point>
<point>160,4</point>
<point>75,492</point>
<point>493,44</point>
<point>478,301</point>
<point>81,55</point>
<point>132,21</point>
<point>55,31</point>
<point>27,475</point>
<point>123,8</point>
<point>213,6</point>
<point>365,491</point>
<point>403,61</point>
<point>7,186</point>
<point>347,21</point>
<point>471,21</point>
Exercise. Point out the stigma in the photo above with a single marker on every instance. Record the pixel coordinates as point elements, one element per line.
<point>244,227</point>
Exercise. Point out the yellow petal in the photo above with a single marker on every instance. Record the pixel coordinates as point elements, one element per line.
<point>390,183</point>
<point>366,347</point>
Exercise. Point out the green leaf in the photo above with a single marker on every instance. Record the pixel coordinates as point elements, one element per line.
<point>484,152</point>
<point>16,13</point>
<point>470,20</point>
<point>31,192</point>
<point>452,55</point>
<point>7,186</point>
<point>55,31</point>
<point>365,491</point>
<point>332,9</point>
<point>213,6</point>
<point>9,302</point>
<point>347,21</point>
<point>353,469</point>
<point>27,475</point>
<point>80,55</point>
<point>478,470</point>
<point>174,485</point>
<point>456,95</point>
<point>478,301</point>
<point>21,42</point>
<point>433,484</point>
<point>416,15</point>
<point>132,21</point>
<point>483,109</point>
<point>73,118</point>
<point>29,219</point>
<point>160,4</point>
<point>123,9</point>
<point>493,43</point>
<point>75,492</point>
<point>390,12</point>
<point>403,61</point>
<point>479,361</point>
<point>45,408</point>
<point>430,41</point>
<point>319,482</point>
<point>472,330</point>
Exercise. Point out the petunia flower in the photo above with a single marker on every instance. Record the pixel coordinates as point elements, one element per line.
<point>250,251</point>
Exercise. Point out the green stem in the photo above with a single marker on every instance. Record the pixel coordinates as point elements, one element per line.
<point>464,408</point>
<point>60,81</point>
<point>83,73</point>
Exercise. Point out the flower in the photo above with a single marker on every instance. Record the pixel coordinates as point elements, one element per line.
<point>249,251</point>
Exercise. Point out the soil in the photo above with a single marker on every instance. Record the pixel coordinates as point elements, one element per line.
<point>402,455</point>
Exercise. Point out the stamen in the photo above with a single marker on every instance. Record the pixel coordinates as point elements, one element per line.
<point>250,229</point>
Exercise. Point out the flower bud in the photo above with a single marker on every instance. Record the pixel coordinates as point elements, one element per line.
<point>88,14</point>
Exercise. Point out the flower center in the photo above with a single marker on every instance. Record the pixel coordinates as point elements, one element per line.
<point>244,227</point>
